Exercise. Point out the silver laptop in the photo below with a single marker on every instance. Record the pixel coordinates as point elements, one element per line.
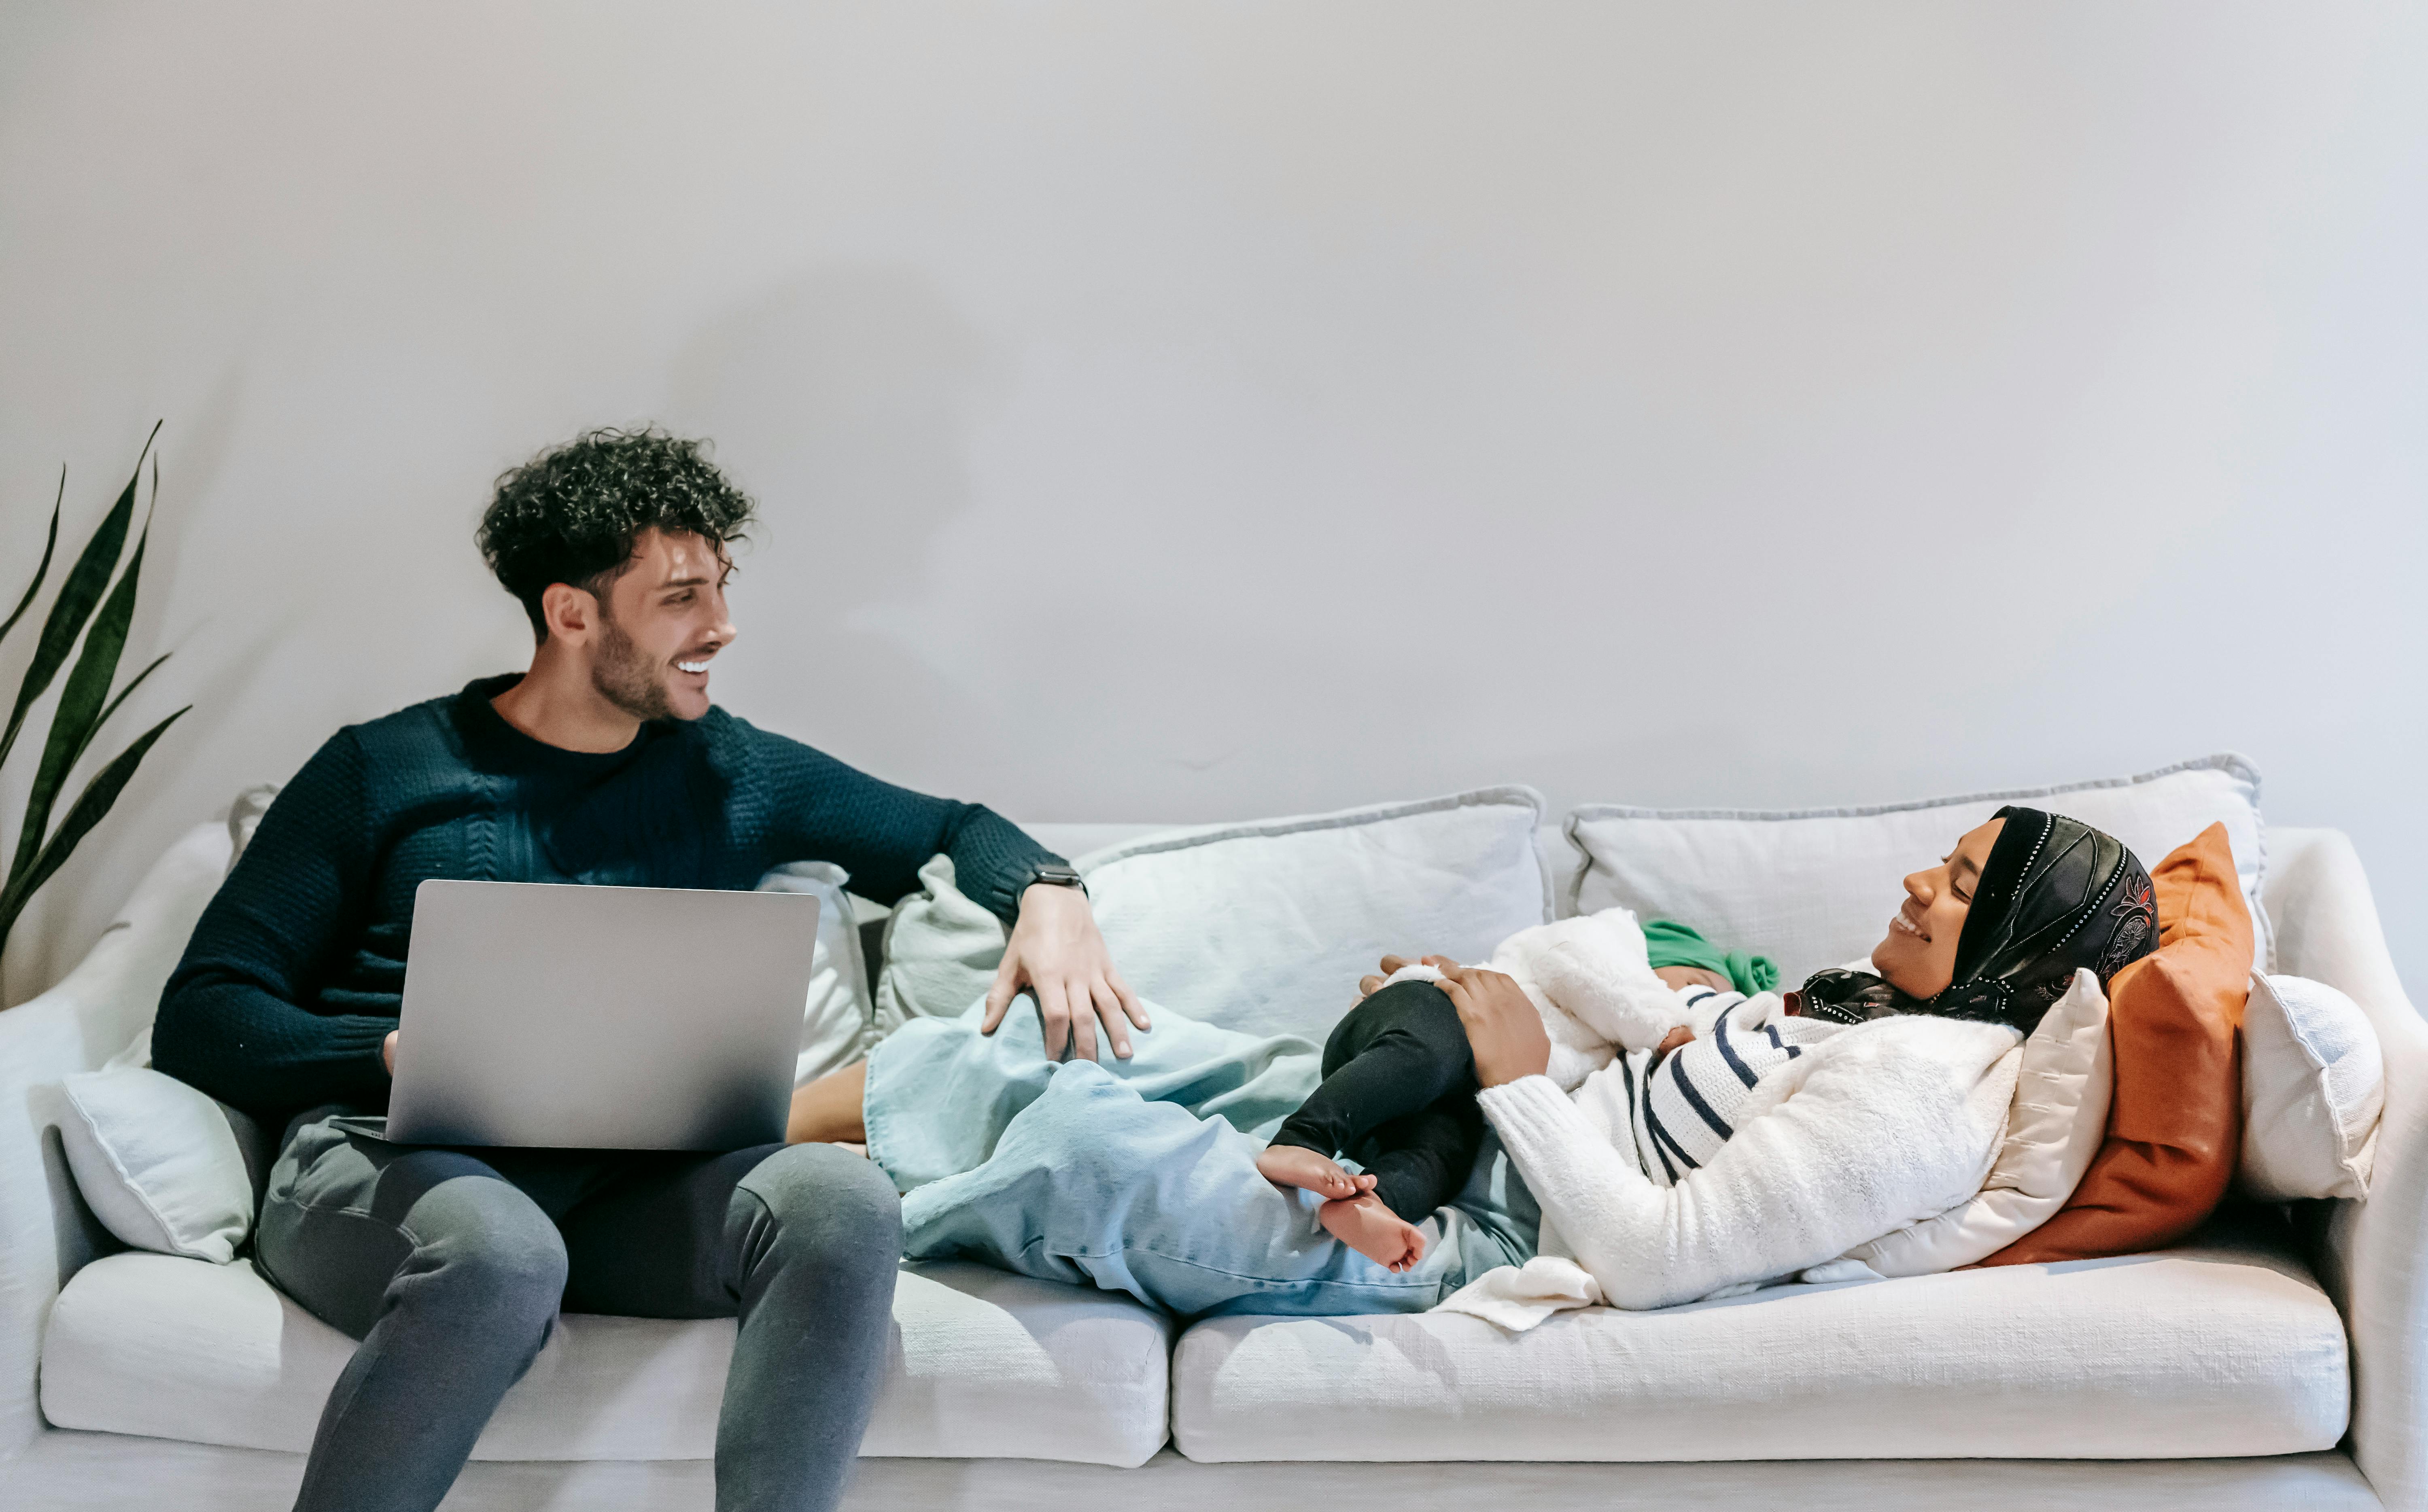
<point>599,1018</point>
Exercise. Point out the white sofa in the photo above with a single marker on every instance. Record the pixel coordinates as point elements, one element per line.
<point>2259,1365</point>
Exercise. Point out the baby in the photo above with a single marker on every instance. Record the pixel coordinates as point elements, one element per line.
<point>1399,1086</point>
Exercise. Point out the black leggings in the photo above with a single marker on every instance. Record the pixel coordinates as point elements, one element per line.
<point>1398,1097</point>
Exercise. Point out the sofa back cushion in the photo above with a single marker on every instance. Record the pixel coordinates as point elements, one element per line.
<point>1263,927</point>
<point>1814,887</point>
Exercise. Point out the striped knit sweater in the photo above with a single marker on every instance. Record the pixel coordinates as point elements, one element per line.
<point>1677,1109</point>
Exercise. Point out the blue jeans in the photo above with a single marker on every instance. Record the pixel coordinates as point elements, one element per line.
<point>1140,1175</point>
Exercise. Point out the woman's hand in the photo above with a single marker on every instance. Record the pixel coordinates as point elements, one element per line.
<point>1502,1028</point>
<point>1057,953</point>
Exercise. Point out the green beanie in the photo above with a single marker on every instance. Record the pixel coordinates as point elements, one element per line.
<point>1671,943</point>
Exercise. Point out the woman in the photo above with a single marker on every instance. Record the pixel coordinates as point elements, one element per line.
<point>1141,1176</point>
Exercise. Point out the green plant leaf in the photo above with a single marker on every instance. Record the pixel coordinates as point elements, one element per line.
<point>134,682</point>
<point>78,714</point>
<point>85,584</point>
<point>92,807</point>
<point>45,570</point>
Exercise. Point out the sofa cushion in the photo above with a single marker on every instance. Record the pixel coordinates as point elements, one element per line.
<point>2313,1088</point>
<point>157,1161</point>
<point>2224,1348</point>
<point>1263,927</point>
<point>984,1364</point>
<point>1811,888</point>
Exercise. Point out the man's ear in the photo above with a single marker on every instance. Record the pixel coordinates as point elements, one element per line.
<point>571,612</point>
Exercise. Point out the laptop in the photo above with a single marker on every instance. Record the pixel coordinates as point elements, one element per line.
<point>599,1018</point>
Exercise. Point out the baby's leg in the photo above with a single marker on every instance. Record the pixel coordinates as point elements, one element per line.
<point>1397,1053</point>
<point>1420,1162</point>
<point>1295,1165</point>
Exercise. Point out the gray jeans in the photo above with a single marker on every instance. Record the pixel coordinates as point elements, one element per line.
<point>450,1265</point>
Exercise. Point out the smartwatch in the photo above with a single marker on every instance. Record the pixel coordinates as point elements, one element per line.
<point>1057,874</point>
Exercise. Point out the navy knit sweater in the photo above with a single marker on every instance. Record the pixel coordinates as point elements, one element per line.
<point>293,976</point>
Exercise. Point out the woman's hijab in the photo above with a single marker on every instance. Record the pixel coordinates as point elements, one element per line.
<point>2056,895</point>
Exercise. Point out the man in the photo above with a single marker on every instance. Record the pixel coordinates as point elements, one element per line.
<point>605,762</point>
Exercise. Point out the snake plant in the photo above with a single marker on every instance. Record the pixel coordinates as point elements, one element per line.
<point>86,606</point>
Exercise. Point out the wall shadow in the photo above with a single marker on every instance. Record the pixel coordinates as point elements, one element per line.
<point>844,401</point>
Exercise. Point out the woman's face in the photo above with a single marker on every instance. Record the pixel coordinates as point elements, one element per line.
<point>1918,958</point>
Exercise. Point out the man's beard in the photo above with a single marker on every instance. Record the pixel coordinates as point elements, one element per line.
<point>624,677</point>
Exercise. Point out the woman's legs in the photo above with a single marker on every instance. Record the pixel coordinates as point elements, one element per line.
<point>828,1110</point>
<point>1093,1184</point>
<point>938,1095</point>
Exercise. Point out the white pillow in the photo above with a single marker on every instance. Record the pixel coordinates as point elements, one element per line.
<point>941,948</point>
<point>836,1019</point>
<point>1262,926</point>
<point>2313,1086</point>
<point>157,1162</point>
<point>2056,1124</point>
<point>1813,886</point>
<point>244,817</point>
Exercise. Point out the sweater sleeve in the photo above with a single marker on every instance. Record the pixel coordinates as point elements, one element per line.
<point>1829,1168</point>
<point>823,810</point>
<point>233,1020</point>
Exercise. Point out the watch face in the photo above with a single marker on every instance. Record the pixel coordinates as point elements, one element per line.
<point>1065,876</point>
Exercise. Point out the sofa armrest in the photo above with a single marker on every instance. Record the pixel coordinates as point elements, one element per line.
<point>94,1012</point>
<point>2372,1255</point>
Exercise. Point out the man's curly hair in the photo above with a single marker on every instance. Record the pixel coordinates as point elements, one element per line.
<point>570,514</point>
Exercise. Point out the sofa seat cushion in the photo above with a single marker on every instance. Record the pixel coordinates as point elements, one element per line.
<point>2226,1347</point>
<point>984,1364</point>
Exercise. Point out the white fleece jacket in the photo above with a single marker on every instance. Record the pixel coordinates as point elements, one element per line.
<point>1885,1124</point>
<point>1869,1128</point>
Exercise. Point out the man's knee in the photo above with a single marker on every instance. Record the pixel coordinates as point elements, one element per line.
<point>489,1252</point>
<point>829,1205</point>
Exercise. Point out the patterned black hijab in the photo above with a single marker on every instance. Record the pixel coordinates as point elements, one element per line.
<point>2054,895</point>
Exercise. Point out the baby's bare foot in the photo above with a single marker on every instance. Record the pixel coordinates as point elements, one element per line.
<point>1364,1224</point>
<point>1295,1165</point>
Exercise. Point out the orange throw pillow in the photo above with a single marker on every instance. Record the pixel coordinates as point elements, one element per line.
<point>2175,1125</point>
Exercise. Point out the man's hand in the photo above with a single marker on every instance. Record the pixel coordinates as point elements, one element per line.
<point>387,1052</point>
<point>1056,954</point>
<point>1502,1028</point>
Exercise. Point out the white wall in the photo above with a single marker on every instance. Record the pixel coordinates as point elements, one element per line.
<point>1198,410</point>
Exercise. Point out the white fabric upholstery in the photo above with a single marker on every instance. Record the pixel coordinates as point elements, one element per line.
<point>2223,1348</point>
<point>2313,1087</point>
<point>108,1472</point>
<point>1812,887</point>
<point>76,1026</point>
<point>157,1162</point>
<point>2373,1255</point>
<point>984,1364</point>
<point>2057,1123</point>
